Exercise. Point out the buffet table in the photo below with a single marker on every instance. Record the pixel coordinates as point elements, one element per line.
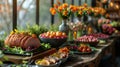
<point>92,60</point>
<point>89,60</point>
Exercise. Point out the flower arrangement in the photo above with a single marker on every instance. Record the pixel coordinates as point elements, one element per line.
<point>64,10</point>
<point>98,11</point>
<point>83,10</point>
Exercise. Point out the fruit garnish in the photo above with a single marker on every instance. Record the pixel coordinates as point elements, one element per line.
<point>64,50</point>
<point>87,38</point>
<point>84,48</point>
<point>34,35</point>
<point>55,35</point>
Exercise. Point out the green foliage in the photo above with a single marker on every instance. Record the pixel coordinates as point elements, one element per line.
<point>3,35</point>
<point>35,29</point>
<point>54,28</point>
<point>1,62</point>
<point>45,46</point>
<point>16,50</point>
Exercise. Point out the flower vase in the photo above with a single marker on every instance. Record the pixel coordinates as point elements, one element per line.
<point>64,27</point>
<point>85,19</point>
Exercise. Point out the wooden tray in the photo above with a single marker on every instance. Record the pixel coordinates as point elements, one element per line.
<point>18,59</point>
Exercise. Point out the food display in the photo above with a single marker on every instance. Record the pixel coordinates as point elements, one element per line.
<point>100,35</point>
<point>116,25</point>
<point>47,61</point>
<point>55,39</point>
<point>23,40</point>
<point>87,39</point>
<point>84,48</point>
<point>108,29</point>
<point>16,51</point>
<point>81,49</point>
<point>89,36</point>
<point>54,59</point>
<point>54,35</point>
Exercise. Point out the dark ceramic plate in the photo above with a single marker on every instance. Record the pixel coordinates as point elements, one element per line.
<point>53,42</point>
<point>27,53</point>
<point>90,43</point>
<point>18,54</point>
<point>57,64</point>
<point>78,52</point>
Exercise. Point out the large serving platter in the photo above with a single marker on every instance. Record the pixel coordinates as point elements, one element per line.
<point>18,59</point>
<point>78,52</point>
<point>72,43</point>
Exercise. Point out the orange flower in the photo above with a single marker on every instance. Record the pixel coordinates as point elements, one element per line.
<point>55,6</point>
<point>65,13</point>
<point>71,6</point>
<point>85,5</point>
<point>53,11</point>
<point>60,8</point>
<point>58,2</point>
<point>74,9</point>
<point>65,5</point>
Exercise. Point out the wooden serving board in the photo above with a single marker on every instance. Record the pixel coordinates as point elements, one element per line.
<point>18,59</point>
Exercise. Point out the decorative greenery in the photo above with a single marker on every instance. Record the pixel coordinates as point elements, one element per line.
<point>35,29</point>
<point>2,38</point>
<point>15,50</point>
<point>54,28</point>
<point>45,46</point>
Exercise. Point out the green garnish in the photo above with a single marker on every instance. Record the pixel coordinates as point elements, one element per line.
<point>45,45</point>
<point>15,50</point>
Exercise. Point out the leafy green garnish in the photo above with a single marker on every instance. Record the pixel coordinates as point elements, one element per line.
<point>15,50</point>
<point>46,45</point>
<point>35,29</point>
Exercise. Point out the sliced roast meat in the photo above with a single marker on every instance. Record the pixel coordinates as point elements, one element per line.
<point>7,39</point>
<point>23,41</point>
<point>31,43</point>
<point>19,40</point>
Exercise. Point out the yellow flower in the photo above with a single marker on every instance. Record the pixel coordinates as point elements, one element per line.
<point>80,12</point>
<point>16,30</point>
<point>12,32</point>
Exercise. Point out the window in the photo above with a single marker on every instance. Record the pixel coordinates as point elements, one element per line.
<point>5,16</point>
<point>44,12</point>
<point>25,13</point>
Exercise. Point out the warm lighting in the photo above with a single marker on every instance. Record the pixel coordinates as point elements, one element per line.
<point>117,6</point>
<point>111,4</point>
<point>104,1</point>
